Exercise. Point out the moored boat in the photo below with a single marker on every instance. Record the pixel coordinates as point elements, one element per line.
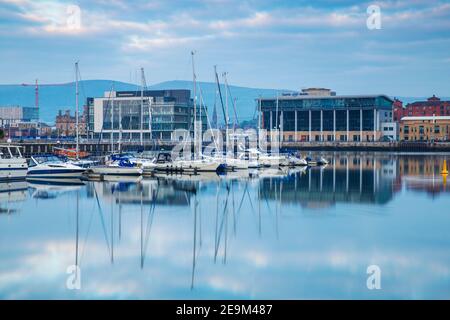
<point>13,166</point>
<point>50,166</point>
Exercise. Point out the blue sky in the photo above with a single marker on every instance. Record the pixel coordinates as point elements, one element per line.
<point>260,43</point>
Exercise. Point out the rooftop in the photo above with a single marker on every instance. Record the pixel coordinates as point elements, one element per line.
<point>426,118</point>
<point>309,97</point>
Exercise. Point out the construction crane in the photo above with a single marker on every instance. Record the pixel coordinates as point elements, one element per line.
<point>36,86</point>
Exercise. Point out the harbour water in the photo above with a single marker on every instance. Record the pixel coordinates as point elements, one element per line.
<point>300,234</point>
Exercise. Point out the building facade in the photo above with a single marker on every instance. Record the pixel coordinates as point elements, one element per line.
<point>433,106</point>
<point>425,128</point>
<point>65,124</point>
<point>14,114</point>
<point>130,116</point>
<point>305,117</point>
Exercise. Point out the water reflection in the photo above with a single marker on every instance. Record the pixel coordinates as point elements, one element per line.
<point>243,235</point>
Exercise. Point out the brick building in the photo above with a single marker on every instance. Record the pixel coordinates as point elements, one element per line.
<point>433,106</point>
<point>425,128</point>
<point>66,124</point>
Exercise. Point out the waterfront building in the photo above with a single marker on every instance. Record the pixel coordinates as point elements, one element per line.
<point>13,114</point>
<point>433,106</point>
<point>22,129</point>
<point>425,128</point>
<point>398,109</point>
<point>65,124</point>
<point>126,115</point>
<point>327,117</point>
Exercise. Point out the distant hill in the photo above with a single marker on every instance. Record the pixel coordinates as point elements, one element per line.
<point>62,96</point>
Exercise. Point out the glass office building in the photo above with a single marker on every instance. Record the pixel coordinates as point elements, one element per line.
<point>302,117</point>
<point>128,116</point>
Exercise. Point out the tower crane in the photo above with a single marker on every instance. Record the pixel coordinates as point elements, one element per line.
<point>36,86</point>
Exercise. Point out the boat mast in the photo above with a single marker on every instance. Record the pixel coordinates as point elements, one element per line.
<point>258,126</point>
<point>227,119</point>
<point>112,121</point>
<point>142,104</point>
<point>120,127</point>
<point>195,104</point>
<point>76,111</point>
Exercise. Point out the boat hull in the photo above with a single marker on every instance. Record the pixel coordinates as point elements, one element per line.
<point>55,173</point>
<point>13,169</point>
<point>116,171</point>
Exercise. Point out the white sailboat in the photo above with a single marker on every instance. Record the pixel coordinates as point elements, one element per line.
<point>199,163</point>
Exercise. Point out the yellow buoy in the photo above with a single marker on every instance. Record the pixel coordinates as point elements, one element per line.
<point>444,168</point>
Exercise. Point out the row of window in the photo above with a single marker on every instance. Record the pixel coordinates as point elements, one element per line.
<point>272,119</point>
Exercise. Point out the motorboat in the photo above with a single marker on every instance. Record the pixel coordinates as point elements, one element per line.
<point>13,166</point>
<point>50,166</point>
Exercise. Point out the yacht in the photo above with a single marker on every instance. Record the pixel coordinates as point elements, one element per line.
<point>13,166</point>
<point>50,166</point>
<point>200,165</point>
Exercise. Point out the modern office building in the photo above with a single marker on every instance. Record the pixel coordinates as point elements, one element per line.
<point>427,128</point>
<point>13,114</point>
<point>326,117</point>
<point>132,116</point>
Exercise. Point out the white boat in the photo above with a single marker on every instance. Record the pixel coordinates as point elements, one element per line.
<point>117,165</point>
<point>83,163</point>
<point>267,159</point>
<point>294,161</point>
<point>115,170</point>
<point>50,166</point>
<point>242,162</point>
<point>198,165</point>
<point>13,166</point>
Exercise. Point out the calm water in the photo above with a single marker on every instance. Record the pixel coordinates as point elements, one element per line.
<point>309,234</point>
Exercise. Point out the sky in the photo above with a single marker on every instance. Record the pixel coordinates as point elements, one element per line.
<point>398,47</point>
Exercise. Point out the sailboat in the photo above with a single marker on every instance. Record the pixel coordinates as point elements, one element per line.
<point>199,163</point>
<point>118,164</point>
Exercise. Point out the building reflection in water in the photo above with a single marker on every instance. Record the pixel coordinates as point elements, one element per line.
<point>363,178</point>
<point>421,173</point>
